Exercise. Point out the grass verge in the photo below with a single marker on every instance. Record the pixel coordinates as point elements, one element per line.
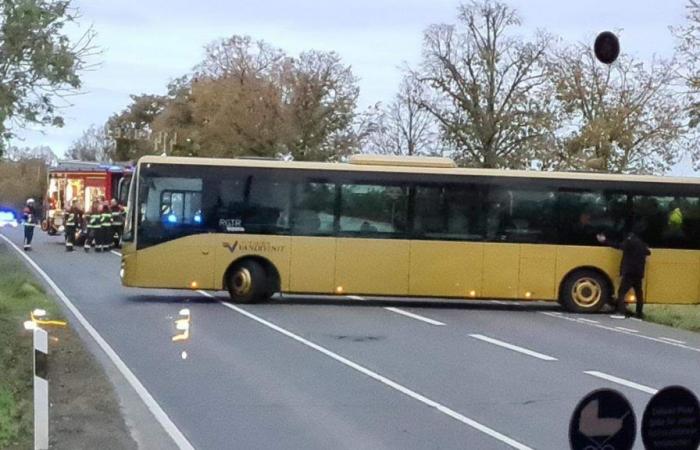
<point>686,317</point>
<point>19,294</point>
<point>84,409</point>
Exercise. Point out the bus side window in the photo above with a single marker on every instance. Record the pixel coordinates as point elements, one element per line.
<point>313,209</point>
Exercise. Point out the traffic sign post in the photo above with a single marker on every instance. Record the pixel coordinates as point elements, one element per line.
<point>41,390</point>
<point>671,420</point>
<point>603,420</point>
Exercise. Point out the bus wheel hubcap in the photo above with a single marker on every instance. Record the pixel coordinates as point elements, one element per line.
<point>586,292</point>
<point>242,281</point>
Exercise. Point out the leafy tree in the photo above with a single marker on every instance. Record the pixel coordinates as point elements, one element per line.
<point>624,117</point>
<point>93,145</point>
<point>249,98</point>
<point>490,90</point>
<point>39,64</point>
<point>131,128</point>
<point>321,96</point>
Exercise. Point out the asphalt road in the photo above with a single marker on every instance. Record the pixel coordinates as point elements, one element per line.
<point>367,374</point>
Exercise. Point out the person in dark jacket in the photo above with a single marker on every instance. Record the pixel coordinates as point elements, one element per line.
<point>634,256</point>
<point>30,220</point>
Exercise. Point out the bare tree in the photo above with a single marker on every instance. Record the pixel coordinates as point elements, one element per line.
<point>490,88</point>
<point>405,127</point>
<point>240,57</point>
<point>42,152</point>
<point>626,117</point>
<point>94,145</point>
<point>688,54</point>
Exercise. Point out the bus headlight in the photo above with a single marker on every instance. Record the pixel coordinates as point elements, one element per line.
<point>121,273</point>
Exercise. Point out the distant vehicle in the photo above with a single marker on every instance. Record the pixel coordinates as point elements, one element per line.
<point>404,227</point>
<point>85,181</point>
<point>8,218</point>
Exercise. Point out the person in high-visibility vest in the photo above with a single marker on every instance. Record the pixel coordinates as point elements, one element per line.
<point>105,228</point>
<point>117,222</point>
<point>73,218</point>
<point>30,221</point>
<point>93,226</point>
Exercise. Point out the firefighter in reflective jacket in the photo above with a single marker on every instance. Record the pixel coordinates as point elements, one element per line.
<point>106,228</point>
<point>117,222</point>
<point>93,226</point>
<point>73,218</point>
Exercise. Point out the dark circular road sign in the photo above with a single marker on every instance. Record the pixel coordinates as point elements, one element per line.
<point>671,420</point>
<point>606,47</point>
<point>603,420</point>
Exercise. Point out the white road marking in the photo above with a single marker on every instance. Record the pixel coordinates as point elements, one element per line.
<point>515,348</point>
<point>377,377</point>
<point>115,252</point>
<point>622,381</point>
<point>403,312</point>
<point>631,330</point>
<point>414,316</point>
<point>675,341</point>
<point>641,336</point>
<point>160,415</point>
<point>582,319</point>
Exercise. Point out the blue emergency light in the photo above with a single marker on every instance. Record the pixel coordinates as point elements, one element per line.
<point>172,218</point>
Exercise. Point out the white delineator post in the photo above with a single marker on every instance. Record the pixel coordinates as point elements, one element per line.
<point>41,390</point>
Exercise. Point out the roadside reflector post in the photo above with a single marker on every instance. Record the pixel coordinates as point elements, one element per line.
<point>41,390</point>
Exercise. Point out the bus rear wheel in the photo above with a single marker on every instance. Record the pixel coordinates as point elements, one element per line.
<point>248,283</point>
<point>585,291</point>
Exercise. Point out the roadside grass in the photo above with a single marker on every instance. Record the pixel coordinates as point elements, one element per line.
<point>686,317</point>
<point>20,293</point>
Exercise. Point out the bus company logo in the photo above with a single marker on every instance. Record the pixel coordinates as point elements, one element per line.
<point>254,247</point>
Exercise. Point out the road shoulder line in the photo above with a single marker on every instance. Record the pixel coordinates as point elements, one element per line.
<point>153,406</point>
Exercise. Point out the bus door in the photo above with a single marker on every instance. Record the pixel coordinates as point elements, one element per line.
<point>517,263</point>
<point>313,257</point>
<point>174,249</point>
<point>446,250</point>
<point>372,252</point>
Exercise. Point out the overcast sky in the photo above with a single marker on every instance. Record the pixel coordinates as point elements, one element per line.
<point>146,43</point>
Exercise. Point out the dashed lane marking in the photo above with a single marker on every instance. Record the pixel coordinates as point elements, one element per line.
<point>414,316</point>
<point>377,377</point>
<point>622,381</point>
<point>514,348</point>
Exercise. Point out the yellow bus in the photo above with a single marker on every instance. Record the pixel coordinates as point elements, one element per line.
<point>405,227</point>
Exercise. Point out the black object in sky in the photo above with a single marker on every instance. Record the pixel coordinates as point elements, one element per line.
<point>606,47</point>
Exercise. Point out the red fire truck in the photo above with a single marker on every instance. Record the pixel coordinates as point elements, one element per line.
<point>86,182</point>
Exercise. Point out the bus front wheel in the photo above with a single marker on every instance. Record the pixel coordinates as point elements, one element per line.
<point>585,291</point>
<point>247,283</point>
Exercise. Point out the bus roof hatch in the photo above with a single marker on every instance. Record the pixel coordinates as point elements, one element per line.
<point>406,161</point>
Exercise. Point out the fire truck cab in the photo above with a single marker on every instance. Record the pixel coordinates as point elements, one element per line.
<point>84,181</point>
